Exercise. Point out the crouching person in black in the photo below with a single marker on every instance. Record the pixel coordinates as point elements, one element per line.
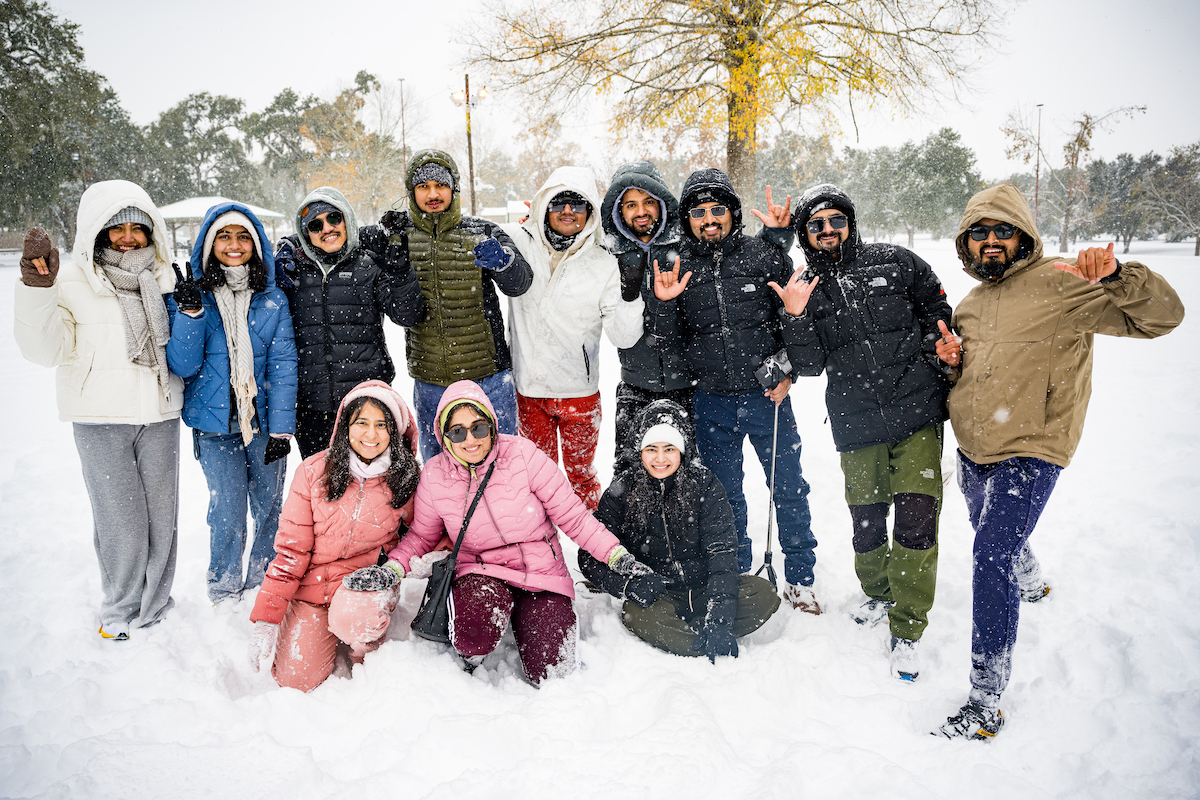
<point>671,514</point>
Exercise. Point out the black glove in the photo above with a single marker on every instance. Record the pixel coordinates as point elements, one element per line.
<point>277,448</point>
<point>490,254</point>
<point>395,259</point>
<point>645,589</point>
<point>285,265</point>
<point>774,369</point>
<point>392,221</point>
<point>187,293</point>
<point>38,245</point>
<point>716,639</point>
<point>632,265</point>
<point>781,238</point>
<point>371,579</point>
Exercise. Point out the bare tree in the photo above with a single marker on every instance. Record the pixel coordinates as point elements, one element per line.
<point>729,63</point>
<point>1173,191</point>
<point>1071,178</point>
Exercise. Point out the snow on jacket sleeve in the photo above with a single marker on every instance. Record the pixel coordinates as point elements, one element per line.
<point>282,370</point>
<point>516,279</point>
<point>1140,303</point>
<point>427,526</point>
<point>564,508</point>
<point>293,549</point>
<point>622,320</point>
<point>185,348</point>
<point>397,292</point>
<point>718,541</point>
<point>610,513</point>
<point>804,347</point>
<point>929,305</point>
<point>44,330</point>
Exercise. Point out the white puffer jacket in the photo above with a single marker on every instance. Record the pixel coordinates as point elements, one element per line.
<point>554,328</point>
<point>77,325</point>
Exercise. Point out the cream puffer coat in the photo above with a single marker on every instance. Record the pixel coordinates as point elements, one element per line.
<point>77,325</point>
<point>554,328</point>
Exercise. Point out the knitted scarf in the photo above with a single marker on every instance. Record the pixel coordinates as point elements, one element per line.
<point>364,470</point>
<point>147,327</point>
<point>233,301</point>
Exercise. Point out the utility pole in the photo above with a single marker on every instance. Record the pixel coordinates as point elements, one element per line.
<point>403,138</point>
<point>1037,170</point>
<point>464,99</point>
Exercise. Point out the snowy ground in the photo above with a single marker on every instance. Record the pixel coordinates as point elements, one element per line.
<point>1104,702</point>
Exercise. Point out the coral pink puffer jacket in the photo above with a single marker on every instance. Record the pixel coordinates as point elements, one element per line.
<point>512,534</point>
<point>320,542</point>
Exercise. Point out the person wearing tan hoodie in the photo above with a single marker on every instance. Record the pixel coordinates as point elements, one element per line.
<point>1023,376</point>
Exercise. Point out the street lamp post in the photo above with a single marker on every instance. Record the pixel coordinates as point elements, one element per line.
<point>465,99</point>
<point>1037,170</point>
<point>403,137</point>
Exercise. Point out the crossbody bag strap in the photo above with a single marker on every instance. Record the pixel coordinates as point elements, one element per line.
<point>462,534</point>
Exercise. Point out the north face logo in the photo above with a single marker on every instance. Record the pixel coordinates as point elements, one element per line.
<point>877,281</point>
<point>749,287</point>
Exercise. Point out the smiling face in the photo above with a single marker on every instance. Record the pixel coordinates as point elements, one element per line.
<point>570,220</point>
<point>661,459</point>
<point>331,237</point>
<point>233,246</point>
<point>432,196</point>
<point>471,450</point>
<point>369,435</point>
<point>830,238</point>
<point>709,228</point>
<point>993,254</point>
<point>640,212</point>
<point>127,236</point>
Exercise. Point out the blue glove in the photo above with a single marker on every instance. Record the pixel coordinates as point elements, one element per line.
<point>490,254</point>
<point>285,265</point>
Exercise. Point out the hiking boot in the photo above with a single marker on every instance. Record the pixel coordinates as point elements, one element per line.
<point>802,598</point>
<point>117,632</point>
<point>973,721</point>
<point>905,665</point>
<point>872,612</point>
<point>1035,594</point>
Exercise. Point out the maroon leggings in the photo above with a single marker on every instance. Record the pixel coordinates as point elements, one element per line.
<point>543,624</point>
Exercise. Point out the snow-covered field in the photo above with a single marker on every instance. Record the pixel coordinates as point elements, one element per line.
<point>1104,701</point>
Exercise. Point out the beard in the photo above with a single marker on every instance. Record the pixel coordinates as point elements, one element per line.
<point>991,268</point>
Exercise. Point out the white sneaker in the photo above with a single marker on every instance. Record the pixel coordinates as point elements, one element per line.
<point>872,612</point>
<point>905,665</point>
<point>802,598</point>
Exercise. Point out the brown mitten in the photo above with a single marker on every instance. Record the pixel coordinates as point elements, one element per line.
<point>38,246</point>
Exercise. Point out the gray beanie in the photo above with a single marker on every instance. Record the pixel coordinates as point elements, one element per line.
<point>130,214</point>
<point>431,171</point>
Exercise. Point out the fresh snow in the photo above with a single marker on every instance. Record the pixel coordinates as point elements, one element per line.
<point>1104,701</point>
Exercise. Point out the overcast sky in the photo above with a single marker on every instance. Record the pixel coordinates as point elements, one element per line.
<point>1073,56</point>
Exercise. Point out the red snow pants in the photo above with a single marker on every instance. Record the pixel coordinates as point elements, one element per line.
<point>577,419</point>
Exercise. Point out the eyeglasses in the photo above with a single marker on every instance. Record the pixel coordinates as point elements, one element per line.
<point>560,206</point>
<point>334,218</point>
<point>716,211</point>
<point>1003,231</point>
<point>836,221</point>
<point>480,430</point>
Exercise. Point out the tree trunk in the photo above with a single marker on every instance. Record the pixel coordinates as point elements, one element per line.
<point>911,232</point>
<point>741,163</point>
<point>1127,239</point>
<point>1197,252</point>
<point>1062,242</point>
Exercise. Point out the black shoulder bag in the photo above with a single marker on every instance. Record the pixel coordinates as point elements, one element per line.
<point>432,621</point>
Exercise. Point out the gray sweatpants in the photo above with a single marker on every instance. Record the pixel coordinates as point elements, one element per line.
<point>132,478</point>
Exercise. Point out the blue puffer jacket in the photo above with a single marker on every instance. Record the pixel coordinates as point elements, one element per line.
<point>199,354</point>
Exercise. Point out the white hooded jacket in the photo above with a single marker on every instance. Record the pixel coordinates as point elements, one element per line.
<point>77,325</point>
<point>554,328</point>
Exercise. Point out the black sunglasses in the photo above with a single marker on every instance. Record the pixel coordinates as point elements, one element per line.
<point>1003,231</point>
<point>334,218</point>
<point>716,211</point>
<point>480,429</point>
<point>560,206</point>
<point>836,221</point>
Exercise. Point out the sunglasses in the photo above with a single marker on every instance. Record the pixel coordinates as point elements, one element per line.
<point>1003,231</point>
<point>334,218</point>
<point>562,205</point>
<point>480,430</point>
<point>837,222</point>
<point>716,211</point>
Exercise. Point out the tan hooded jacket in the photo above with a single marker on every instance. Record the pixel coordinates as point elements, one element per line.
<point>1026,375</point>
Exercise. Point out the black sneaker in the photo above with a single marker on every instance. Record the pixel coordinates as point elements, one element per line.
<point>973,721</point>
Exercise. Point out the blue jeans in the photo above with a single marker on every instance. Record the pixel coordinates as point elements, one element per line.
<point>721,425</point>
<point>1004,502</point>
<point>237,478</point>
<point>499,389</point>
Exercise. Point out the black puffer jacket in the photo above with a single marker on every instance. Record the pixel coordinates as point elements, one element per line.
<point>663,369</point>
<point>871,326</point>
<point>681,527</point>
<point>727,318</point>
<point>338,317</point>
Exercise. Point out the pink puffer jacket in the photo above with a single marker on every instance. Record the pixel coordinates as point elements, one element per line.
<point>320,542</point>
<point>512,535</point>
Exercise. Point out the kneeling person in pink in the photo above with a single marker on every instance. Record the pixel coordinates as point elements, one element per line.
<point>346,507</point>
<point>510,565</point>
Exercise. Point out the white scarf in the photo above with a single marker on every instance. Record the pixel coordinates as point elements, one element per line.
<point>362,470</point>
<point>233,302</point>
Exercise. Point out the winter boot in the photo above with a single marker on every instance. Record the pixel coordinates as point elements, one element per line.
<point>1035,593</point>
<point>872,612</point>
<point>905,665</point>
<point>802,598</point>
<point>973,721</point>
